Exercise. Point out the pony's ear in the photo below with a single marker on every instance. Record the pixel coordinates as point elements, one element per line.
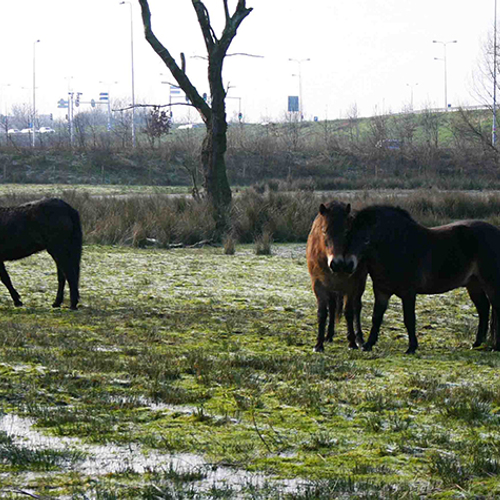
<point>322,209</point>
<point>348,209</point>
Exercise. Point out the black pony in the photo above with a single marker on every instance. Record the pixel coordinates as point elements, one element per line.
<point>405,258</point>
<point>48,224</point>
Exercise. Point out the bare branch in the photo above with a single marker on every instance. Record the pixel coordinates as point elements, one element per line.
<point>180,76</point>
<point>244,54</point>
<point>232,25</point>
<point>169,105</point>
<point>226,11</point>
<point>204,22</point>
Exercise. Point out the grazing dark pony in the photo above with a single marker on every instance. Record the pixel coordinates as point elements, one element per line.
<point>323,248</point>
<point>48,224</point>
<point>405,258</point>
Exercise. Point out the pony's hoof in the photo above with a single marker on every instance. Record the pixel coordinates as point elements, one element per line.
<point>55,305</point>
<point>411,350</point>
<point>18,303</point>
<point>367,347</point>
<point>318,348</point>
<point>353,345</point>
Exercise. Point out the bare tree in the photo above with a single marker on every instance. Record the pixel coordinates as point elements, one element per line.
<point>213,114</point>
<point>430,122</point>
<point>405,125</point>
<point>158,123</point>
<point>353,123</point>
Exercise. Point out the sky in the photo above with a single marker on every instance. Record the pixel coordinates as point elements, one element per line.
<point>371,55</point>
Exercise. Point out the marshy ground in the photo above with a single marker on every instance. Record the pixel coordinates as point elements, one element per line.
<point>188,373</point>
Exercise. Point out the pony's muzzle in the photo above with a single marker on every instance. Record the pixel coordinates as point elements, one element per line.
<point>344,265</point>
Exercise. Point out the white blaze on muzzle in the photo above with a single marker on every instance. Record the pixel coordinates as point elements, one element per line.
<point>343,264</point>
<point>336,261</point>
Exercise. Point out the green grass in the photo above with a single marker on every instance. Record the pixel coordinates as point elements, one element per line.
<point>194,351</point>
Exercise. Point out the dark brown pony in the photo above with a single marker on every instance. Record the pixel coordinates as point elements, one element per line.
<point>405,258</point>
<point>323,248</point>
<point>48,224</point>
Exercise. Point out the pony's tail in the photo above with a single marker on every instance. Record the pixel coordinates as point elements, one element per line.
<point>76,242</point>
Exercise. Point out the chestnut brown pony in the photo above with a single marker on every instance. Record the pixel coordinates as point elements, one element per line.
<point>331,289</point>
<point>405,258</point>
<point>48,224</point>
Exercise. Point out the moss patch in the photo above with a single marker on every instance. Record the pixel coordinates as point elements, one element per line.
<point>194,351</point>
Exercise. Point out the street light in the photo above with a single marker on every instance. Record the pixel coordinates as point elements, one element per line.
<point>34,95</point>
<point>3,107</point>
<point>494,125</point>
<point>411,85</point>
<point>299,62</point>
<point>132,64</point>
<point>240,115</point>
<point>444,44</point>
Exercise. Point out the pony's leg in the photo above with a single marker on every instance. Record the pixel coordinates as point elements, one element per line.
<point>322,298</point>
<point>61,279</point>
<point>379,308</point>
<point>332,309</point>
<point>480,300</point>
<point>357,305</point>
<point>350,315</point>
<point>72,278</point>
<point>322,316</point>
<point>65,269</point>
<point>492,292</point>
<point>409,319</point>
<point>6,281</point>
<point>495,325</point>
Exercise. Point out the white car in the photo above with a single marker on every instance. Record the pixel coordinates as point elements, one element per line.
<point>13,131</point>
<point>26,131</point>
<point>46,130</point>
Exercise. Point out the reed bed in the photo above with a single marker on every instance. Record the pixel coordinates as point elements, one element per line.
<point>162,220</point>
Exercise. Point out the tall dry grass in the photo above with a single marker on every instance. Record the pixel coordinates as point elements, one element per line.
<point>162,220</point>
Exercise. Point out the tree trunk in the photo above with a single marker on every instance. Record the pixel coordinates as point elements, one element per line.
<point>214,169</point>
<point>214,148</point>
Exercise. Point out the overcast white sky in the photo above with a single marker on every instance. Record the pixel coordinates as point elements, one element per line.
<point>363,52</point>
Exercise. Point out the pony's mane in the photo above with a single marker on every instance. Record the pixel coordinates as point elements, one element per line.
<point>369,215</point>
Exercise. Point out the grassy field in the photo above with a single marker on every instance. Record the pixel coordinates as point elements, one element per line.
<point>188,373</point>
<point>40,190</point>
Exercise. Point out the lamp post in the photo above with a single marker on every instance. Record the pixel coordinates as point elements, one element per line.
<point>240,115</point>
<point>132,65</point>
<point>3,107</point>
<point>34,95</point>
<point>494,125</point>
<point>412,86</point>
<point>444,44</point>
<point>299,62</point>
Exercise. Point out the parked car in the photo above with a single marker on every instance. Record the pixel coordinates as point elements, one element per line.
<point>13,131</point>
<point>26,131</point>
<point>392,144</point>
<point>46,130</point>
